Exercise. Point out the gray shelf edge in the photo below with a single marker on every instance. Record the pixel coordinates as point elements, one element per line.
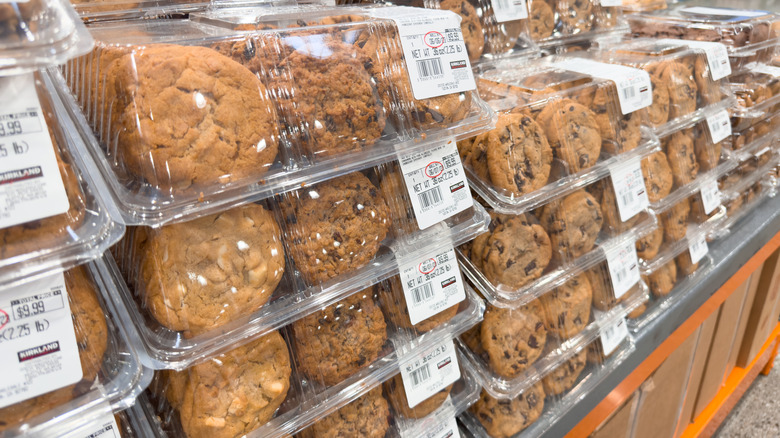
<point>728,255</point>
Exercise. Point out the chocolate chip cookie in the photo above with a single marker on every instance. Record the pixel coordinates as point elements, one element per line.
<point>573,223</point>
<point>235,392</point>
<point>470,25</point>
<point>684,264</point>
<point>567,308</point>
<point>341,339</point>
<point>565,376</point>
<point>675,221</point>
<point>368,416</point>
<point>658,111</point>
<point>682,157</point>
<point>202,274</point>
<point>513,338</point>
<point>662,280</point>
<point>707,153</point>
<point>619,133</point>
<point>336,226</point>
<point>541,19</point>
<point>572,132</point>
<point>516,253</point>
<point>182,115</point>
<point>659,179</point>
<point>394,388</point>
<point>504,418</point>
<point>681,86</point>
<point>576,15</point>
<point>518,155</point>
<point>647,247</point>
<point>394,304</point>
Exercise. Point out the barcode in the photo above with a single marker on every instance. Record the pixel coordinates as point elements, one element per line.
<point>629,92</point>
<point>422,293</point>
<point>430,197</point>
<point>421,375</point>
<point>429,68</point>
<point>628,197</point>
<point>620,274</point>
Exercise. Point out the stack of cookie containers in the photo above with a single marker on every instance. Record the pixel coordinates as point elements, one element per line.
<point>68,364</point>
<point>289,256</point>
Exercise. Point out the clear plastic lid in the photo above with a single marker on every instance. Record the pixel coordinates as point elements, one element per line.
<point>747,141</point>
<point>53,216</point>
<point>93,370</point>
<point>39,33</point>
<point>758,96</point>
<point>630,6</point>
<point>171,152</point>
<point>557,22</point>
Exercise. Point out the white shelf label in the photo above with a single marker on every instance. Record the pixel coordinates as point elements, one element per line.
<point>613,336</point>
<point>436,183</point>
<point>698,248</point>
<point>38,350</point>
<point>716,53</point>
<point>719,125</point>
<point>431,284</point>
<point>623,267</point>
<point>634,88</point>
<point>509,10</point>
<point>629,186</point>
<point>710,195</point>
<point>429,372</point>
<point>435,52</point>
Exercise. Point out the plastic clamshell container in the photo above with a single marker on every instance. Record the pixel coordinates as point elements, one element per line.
<point>316,370</point>
<point>39,247</point>
<point>112,374</point>
<point>39,33</point>
<point>540,240</point>
<point>632,6</point>
<point>194,288</point>
<point>538,151</point>
<point>747,141</point>
<point>745,185</point>
<point>758,97</point>
<point>171,152</point>
<point>545,402</point>
<point>683,86</point>
<point>561,22</point>
<point>749,36</point>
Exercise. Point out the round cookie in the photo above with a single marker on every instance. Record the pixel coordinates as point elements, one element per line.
<point>573,223</point>
<point>506,418</point>
<point>709,91</point>
<point>182,117</point>
<point>675,221</point>
<point>518,154</point>
<point>684,265</point>
<point>516,252</point>
<point>235,392</point>
<point>572,132</point>
<point>199,275</point>
<point>659,180</point>
<point>682,88</point>
<point>541,20</point>
<point>567,308</point>
<point>662,280</point>
<point>603,294</point>
<point>341,339</point>
<point>394,303</point>
<point>476,157</point>
<point>366,416</point>
<point>638,311</point>
<point>707,154</point>
<point>576,15</point>
<point>617,137</point>
<point>394,388</point>
<point>565,376</point>
<point>658,111</point>
<point>470,25</point>
<point>647,247</point>
<point>513,338</point>
<point>682,157</point>
<point>336,227</point>
<point>611,212</point>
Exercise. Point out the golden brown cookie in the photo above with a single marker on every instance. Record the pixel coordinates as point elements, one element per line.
<point>516,253</point>
<point>470,25</point>
<point>572,132</point>
<point>513,338</point>
<point>658,111</point>
<point>565,376</point>
<point>647,247</point>
<point>368,416</point>
<point>682,157</point>
<point>682,88</point>
<point>567,308</point>
<point>505,418</point>
<point>662,280</point>
<point>394,388</point>
<point>659,179</point>
<point>541,19</point>
<point>684,264</point>
<point>675,221</point>
<point>394,304</point>
<point>573,223</point>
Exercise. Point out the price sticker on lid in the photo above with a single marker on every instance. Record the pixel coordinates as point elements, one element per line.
<point>719,125</point>
<point>716,53</point>
<point>623,267</point>
<point>429,372</point>
<point>629,186</point>
<point>509,10</point>
<point>698,248</point>
<point>613,336</point>
<point>634,88</point>
<point>710,195</point>
<point>103,427</point>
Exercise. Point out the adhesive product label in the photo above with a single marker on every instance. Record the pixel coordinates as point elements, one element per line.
<point>623,267</point>
<point>38,350</point>
<point>446,428</point>
<point>717,56</point>
<point>611,3</point>
<point>629,186</point>
<point>429,372</point>
<point>104,427</point>
<point>634,88</point>
<point>613,336</point>
<point>431,284</point>
<point>722,13</point>
<point>710,195</point>
<point>440,423</point>
<point>436,183</point>
<point>509,10</point>
<point>31,186</point>
<point>435,52</point>
<point>698,248</point>
<point>719,125</point>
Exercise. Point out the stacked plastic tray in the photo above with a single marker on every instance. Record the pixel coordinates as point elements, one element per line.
<point>260,157</point>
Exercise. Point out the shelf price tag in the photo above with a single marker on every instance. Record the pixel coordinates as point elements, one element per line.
<point>38,350</point>
<point>613,335</point>
<point>629,186</point>
<point>436,183</point>
<point>429,372</point>
<point>623,267</point>
<point>434,50</point>
<point>509,10</point>
<point>710,195</point>
<point>698,248</point>
<point>634,88</point>
<point>719,125</point>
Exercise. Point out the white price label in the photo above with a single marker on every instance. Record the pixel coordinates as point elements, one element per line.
<point>766,69</point>
<point>737,14</point>
<point>613,336</point>
<point>440,424</point>
<point>104,427</point>
<point>611,3</point>
<point>629,186</point>
<point>710,195</point>
<point>429,372</point>
<point>720,125</point>
<point>31,186</point>
<point>509,10</point>
<point>716,53</point>
<point>634,88</point>
<point>623,268</point>
<point>431,284</point>
<point>436,183</point>
<point>698,248</point>
<point>435,52</point>
<point>38,350</point>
